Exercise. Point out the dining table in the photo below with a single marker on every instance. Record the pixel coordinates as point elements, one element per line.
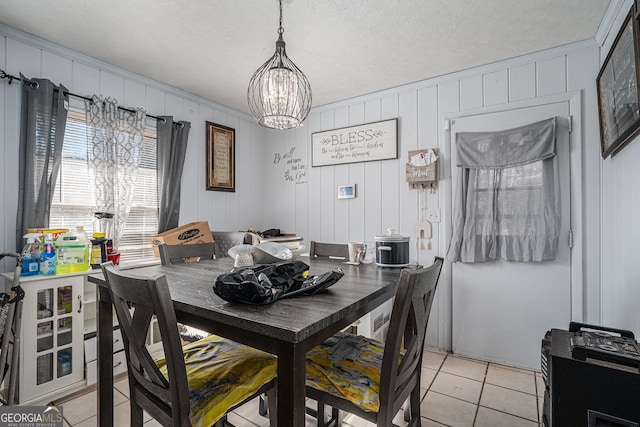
<point>286,328</point>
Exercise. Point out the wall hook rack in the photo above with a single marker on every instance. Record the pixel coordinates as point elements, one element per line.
<point>422,176</point>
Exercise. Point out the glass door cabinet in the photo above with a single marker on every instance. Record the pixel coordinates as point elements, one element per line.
<point>52,333</point>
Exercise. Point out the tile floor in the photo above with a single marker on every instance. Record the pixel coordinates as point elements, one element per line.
<point>457,392</point>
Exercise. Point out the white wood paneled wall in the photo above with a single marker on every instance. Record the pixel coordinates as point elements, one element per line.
<point>620,231</point>
<point>311,209</point>
<point>86,76</point>
<point>384,199</point>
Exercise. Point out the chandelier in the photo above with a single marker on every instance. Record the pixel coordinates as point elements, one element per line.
<point>279,94</point>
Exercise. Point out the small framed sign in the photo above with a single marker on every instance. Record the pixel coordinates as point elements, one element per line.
<point>347,191</point>
<point>221,143</point>
<point>362,143</point>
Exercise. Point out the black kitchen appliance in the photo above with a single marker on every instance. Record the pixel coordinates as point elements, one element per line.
<point>392,249</point>
<point>591,376</point>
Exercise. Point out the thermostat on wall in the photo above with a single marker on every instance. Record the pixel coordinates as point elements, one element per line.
<point>346,191</point>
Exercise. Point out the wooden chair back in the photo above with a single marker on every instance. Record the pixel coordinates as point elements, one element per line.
<point>175,254</point>
<point>405,342</point>
<point>407,329</point>
<point>317,249</point>
<point>136,301</point>
<point>225,240</point>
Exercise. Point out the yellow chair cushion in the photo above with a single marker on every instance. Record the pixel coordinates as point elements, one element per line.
<point>220,374</point>
<point>357,381</point>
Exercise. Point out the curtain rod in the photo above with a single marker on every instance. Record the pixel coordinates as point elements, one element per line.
<point>31,83</point>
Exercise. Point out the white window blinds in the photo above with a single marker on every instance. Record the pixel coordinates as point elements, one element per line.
<point>72,202</point>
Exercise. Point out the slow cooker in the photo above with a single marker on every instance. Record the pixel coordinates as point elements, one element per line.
<point>392,249</point>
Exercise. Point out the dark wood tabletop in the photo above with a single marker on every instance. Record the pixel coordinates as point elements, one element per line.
<point>287,328</point>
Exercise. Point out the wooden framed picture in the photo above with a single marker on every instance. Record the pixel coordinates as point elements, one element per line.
<point>362,143</point>
<point>221,158</point>
<point>617,84</point>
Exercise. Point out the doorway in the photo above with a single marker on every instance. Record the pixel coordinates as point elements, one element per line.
<point>501,309</point>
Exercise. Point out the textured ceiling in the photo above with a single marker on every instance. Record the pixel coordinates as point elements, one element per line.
<point>345,47</point>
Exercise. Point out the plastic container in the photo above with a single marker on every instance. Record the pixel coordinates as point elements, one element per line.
<point>114,257</point>
<point>98,250</point>
<point>48,257</point>
<point>31,255</point>
<point>112,254</point>
<point>85,240</point>
<point>103,222</point>
<point>73,253</point>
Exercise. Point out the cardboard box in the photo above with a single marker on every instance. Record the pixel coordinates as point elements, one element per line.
<point>193,232</point>
<point>55,232</point>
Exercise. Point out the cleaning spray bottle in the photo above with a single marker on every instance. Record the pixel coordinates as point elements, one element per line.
<point>48,257</point>
<point>31,255</point>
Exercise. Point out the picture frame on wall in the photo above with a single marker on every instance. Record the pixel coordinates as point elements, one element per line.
<point>353,144</point>
<point>617,86</point>
<point>347,191</point>
<point>221,173</point>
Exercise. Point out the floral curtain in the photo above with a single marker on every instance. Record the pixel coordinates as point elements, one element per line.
<point>113,154</point>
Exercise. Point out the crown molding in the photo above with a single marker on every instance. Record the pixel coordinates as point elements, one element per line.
<point>46,45</point>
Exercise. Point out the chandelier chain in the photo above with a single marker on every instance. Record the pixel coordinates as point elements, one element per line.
<point>279,94</point>
<point>280,29</point>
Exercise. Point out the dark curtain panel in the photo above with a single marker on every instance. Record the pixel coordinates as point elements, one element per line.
<point>172,147</point>
<point>43,121</point>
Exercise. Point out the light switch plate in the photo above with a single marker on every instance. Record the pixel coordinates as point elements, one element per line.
<point>433,215</point>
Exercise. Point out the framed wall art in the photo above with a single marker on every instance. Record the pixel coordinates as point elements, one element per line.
<point>347,191</point>
<point>617,84</point>
<point>362,143</point>
<point>221,162</point>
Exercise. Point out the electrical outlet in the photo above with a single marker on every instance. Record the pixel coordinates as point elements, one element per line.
<point>378,322</point>
<point>433,215</point>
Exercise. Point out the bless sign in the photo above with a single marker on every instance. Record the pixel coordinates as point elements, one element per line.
<point>363,143</point>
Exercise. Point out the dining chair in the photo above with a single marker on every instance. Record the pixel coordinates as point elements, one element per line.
<point>372,379</point>
<point>192,385</point>
<point>336,250</point>
<point>178,254</point>
<point>175,254</point>
<point>225,240</point>
<point>333,250</point>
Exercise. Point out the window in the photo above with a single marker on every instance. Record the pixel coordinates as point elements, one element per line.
<point>507,202</point>
<point>517,191</point>
<point>72,203</point>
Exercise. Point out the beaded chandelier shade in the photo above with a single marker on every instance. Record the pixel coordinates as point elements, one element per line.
<point>279,94</point>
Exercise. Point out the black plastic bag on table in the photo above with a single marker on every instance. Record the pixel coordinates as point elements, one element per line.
<point>264,284</point>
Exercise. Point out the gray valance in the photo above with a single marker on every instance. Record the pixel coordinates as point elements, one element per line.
<point>517,146</point>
